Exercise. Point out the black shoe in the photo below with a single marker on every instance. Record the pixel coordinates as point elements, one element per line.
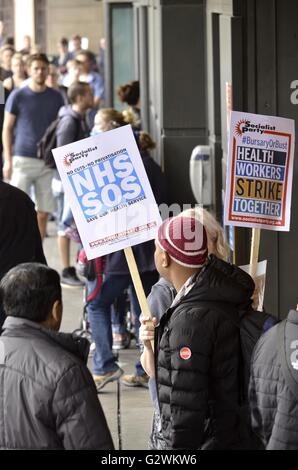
<point>69,278</point>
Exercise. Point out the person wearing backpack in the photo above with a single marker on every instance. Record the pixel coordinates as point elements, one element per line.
<point>273,390</point>
<point>71,127</point>
<point>197,343</point>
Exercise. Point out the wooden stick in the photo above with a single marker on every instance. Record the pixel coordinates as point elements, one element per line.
<point>254,251</point>
<point>134,272</point>
<point>137,281</point>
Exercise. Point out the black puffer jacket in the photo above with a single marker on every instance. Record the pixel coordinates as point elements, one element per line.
<point>203,389</point>
<point>48,398</point>
<point>274,407</point>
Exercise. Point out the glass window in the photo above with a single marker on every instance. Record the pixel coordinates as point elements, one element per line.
<point>122,47</point>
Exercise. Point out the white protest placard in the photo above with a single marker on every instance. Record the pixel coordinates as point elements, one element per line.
<point>260,171</point>
<point>108,191</point>
<point>260,284</point>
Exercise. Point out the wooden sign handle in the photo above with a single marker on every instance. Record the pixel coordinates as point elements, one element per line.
<point>134,272</point>
<point>254,251</point>
<point>137,281</point>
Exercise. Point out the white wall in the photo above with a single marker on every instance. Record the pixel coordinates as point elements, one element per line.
<point>65,18</point>
<point>24,21</point>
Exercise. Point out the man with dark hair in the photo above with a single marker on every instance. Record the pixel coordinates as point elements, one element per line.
<point>88,75</point>
<point>48,397</point>
<point>28,113</point>
<point>71,128</point>
<point>39,56</point>
<point>77,90</point>
<point>33,291</point>
<point>6,53</point>
<point>26,50</point>
<point>19,235</point>
<point>76,44</point>
<point>64,55</point>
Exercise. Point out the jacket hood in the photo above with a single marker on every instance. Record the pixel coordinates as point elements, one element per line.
<point>71,343</point>
<point>68,111</point>
<point>224,283</point>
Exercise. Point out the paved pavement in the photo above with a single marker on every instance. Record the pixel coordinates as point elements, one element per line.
<point>136,408</point>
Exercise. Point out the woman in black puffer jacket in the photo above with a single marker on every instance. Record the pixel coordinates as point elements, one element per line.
<point>197,347</point>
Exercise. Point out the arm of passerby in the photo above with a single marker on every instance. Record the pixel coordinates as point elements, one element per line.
<point>161,297</point>
<point>190,346</point>
<point>7,138</point>
<point>38,256</point>
<point>80,421</point>
<point>98,90</point>
<point>255,415</point>
<point>146,334</point>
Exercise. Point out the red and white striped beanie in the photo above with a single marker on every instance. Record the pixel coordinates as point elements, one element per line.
<point>185,241</point>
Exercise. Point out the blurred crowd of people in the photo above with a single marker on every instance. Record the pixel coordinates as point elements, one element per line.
<point>48,395</point>
<point>67,90</point>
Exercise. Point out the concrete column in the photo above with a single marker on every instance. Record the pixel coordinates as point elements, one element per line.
<point>144,74</point>
<point>24,21</point>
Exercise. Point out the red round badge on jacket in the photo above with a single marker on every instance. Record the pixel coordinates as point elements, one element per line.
<point>185,353</point>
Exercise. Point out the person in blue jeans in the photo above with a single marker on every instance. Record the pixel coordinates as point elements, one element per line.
<point>105,368</point>
<point>121,329</point>
<point>117,277</point>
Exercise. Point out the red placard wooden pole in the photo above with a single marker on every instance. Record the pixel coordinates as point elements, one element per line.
<point>254,252</point>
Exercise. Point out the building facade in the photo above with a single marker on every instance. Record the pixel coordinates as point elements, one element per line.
<point>196,61</point>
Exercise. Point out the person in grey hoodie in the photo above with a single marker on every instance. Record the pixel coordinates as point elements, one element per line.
<point>71,128</point>
<point>48,398</point>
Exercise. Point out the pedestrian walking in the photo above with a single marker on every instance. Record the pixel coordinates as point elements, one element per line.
<point>28,113</point>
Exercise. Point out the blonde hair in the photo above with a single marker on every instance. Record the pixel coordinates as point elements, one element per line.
<point>17,56</point>
<point>130,117</point>
<point>109,118</point>
<point>215,233</point>
<point>72,63</point>
<point>144,141</point>
<point>5,48</point>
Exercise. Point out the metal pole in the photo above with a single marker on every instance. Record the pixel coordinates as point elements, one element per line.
<point>144,73</point>
<point>108,55</point>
